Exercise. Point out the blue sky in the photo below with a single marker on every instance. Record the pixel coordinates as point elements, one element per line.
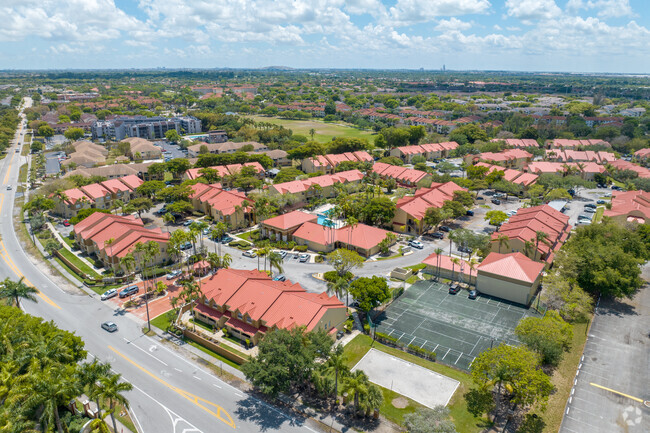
<point>524,35</point>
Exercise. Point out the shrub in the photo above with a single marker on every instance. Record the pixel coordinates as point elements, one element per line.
<point>319,259</point>
<point>332,276</point>
<point>303,249</point>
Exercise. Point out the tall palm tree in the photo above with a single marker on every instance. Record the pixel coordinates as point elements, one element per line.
<point>528,248</point>
<point>214,260</point>
<point>218,231</point>
<point>14,291</point>
<point>356,384</point>
<point>264,251</point>
<point>190,294</point>
<point>338,288</point>
<point>112,390</point>
<point>503,240</point>
<point>168,218</point>
<point>49,390</point>
<point>438,252</point>
<point>336,363</point>
<point>89,375</point>
<point>275,261</point>
<point>454,261</point>
<point>226,260</point>
<point>542,237</point>
<point>128,263</point>
<point>472,265</point>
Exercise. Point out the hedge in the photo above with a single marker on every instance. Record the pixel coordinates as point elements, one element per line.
<point>412,349</point>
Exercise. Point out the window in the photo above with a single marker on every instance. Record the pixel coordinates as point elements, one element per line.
<point>248,319</point>
<point>239,316</point>
<point>207,302</point>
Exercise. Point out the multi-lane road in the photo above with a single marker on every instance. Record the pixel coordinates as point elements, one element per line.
<point>171,393</point>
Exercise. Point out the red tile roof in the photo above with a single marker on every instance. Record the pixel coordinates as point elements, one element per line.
<point>297,186</point>
<point>515,266</point>
<point>424,198</point>
<point>633,204</point>
<point>290,220</point>
<point>360,236</point>
<point>446,263</point>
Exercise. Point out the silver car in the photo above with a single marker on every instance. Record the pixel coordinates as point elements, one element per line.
<point>108,294</point>
<point>109,326</point>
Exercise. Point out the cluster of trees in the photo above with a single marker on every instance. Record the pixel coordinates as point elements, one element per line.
<point>450,209</point>
<point>8,123</point>
<point>42,369</point>
<point>603,259</point>
<point>308,363</point>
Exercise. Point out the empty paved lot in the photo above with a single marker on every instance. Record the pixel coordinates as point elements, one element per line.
<point>613,375</point>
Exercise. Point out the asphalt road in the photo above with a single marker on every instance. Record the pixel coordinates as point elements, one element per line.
<point>171,393</point>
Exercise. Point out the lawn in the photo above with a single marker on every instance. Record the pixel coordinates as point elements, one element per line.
<point>563,378</point>
<point>325,131</point>
<point>162,322</point>
<point>599,214</point>
<point>80,264</point>
<point>465,422</point>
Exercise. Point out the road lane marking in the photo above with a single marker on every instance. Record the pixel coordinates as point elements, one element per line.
<point>144,351</point>
<point>9,169</point>
<point>4,253</point>
<point>221,413</point>
<point>640,400</point>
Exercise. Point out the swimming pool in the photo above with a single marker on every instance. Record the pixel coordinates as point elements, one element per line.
<point>323,220</point>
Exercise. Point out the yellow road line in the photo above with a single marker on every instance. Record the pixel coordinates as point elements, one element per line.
<point>616,392</point>
<point>221,412</point>
<point>9,169</point>
<point>5,256</point>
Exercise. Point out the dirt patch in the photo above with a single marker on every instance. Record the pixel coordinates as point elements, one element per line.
<point>400,402</point>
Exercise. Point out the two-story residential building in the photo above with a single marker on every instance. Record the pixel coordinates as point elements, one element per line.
<point>249,304</point>
<point>230,207</point>
<point>430,151</point>
<point>321,186</point>
<point>404,176</point>
<point>143,149</point>
<point>410,210</point>
<point>328,163</point>
<point>510,158</point>
<point>194,150</point>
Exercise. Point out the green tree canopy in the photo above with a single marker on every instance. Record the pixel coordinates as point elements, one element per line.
<point>549,336</point>
<point>344,261</point>
<point>369,292</point>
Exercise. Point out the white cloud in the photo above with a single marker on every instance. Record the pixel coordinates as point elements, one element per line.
<point>611,8</point>
<point>406,12</point>
<point>532,10</point>
<point>452,24</point>
<point>497,27</point>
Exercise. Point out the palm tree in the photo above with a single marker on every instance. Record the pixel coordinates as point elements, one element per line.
<point>472,265</point>
<point>218,231</point>
<point>528,248</point>
<point>117,204</point>
<point>336,362</point>
<point>214,260</point>
<point>438,252</point>
<point>312,132</point>
<point>264,251</point>
<point>275,261</point>
<point>454,261</point>
<point>189,294</point>
<point>503,240</point>
<point>357,385</point>
<point>89,375</point>
<point>338,288</point>
<point>226,260</point>
<point>542,237</point>
<point>128,263</point>
<point>112,390</point>
<point>49,390</point>
<point>168,218</point>
<point>14,291</point>
<point>98,425</point>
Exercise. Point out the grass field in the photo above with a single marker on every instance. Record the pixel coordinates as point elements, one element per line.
<point>325,131</point>
<point>465,422</point>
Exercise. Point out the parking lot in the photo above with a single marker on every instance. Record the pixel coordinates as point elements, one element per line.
<point>456,328</point>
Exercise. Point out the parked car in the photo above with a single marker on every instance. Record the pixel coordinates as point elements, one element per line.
<point>496,201</point>
<point>616,188</point>
<point>173,274</point>
<point>226,239</point>
<point>8,187</point>
<point>249,253</point>
<point>66,223</point>
<point>590,205</point>
<point>416,244</point>
<point>473,294</point>
<point>454,288</point>
<point>280,277</point>
<point>108,294</point>
<point>206,231</point>
<point>187,222</point>
<point>304,258</point>
<point>282,253</point>
<point>185,246</point>
<point>131,290</point>
<point>469,213</point>
<point>590,210</point>
<point>511,213</point>
<point>464,249</point>
<point>445,229</point>
<point>601,202</point>
<point>434,236</point>
<point>489,193</point>
<point>109,326</point>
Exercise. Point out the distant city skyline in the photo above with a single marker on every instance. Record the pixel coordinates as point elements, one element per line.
<point>520,35</point>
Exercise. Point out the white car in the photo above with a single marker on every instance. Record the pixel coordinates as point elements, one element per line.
<point>249,253</point>
<point>108,294</point>
<point>173,274</point>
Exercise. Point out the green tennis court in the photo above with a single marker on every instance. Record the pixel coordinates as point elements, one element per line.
<point>456,328</point>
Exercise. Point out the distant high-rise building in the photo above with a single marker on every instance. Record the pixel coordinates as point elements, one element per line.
<point>443,68</point>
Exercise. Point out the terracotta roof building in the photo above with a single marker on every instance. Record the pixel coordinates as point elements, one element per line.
<point>144,148</point>
<point>225,170</point>
<point>404,176</point>
<point>522,229</point>
<point>630,206</point>
<point>362,238</point>
<point>510,158</point>
<point>586,170</point>
<point>111,237</point>
<point>100,195</point>
<point>442,265</point>
<point>282,227</point>
<point>322,186</point>
<point>250,304</point>
<point>230,207</point>
<point>328,163</point>
<point>513,277</point>
<point>194,150</point>
<point>512,175</point>
<point>410,210</point>
<point>428,150</point>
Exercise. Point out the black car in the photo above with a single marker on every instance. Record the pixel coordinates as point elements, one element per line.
<point>454,288</point>
<point>496,201</point>
<point>616,188</point>
<point>473,294</point>
<point>488,193</point>
<point>591,205</point>
<point>469,213</point>
<point>445,229</point>
<point>437,235</point>
<point>464,249</point>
